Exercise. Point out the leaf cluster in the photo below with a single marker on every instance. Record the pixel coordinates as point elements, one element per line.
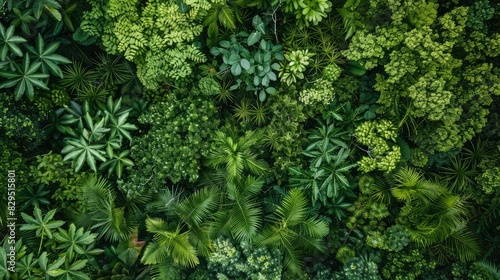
<point>98,134</point>
<point>253,67</point>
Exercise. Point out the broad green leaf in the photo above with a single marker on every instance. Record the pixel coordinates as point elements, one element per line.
<point>245,64</point>
<point>253,38</point>
<point>9,41</point>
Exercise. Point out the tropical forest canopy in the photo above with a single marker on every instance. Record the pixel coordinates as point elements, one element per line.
<point>250,139</point>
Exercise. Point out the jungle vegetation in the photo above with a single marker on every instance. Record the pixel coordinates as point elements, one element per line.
<point>251,139</point>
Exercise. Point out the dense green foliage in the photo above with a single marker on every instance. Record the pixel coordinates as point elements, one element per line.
<point>249,139</point>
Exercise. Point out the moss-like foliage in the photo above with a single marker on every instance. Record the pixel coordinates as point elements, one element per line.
<point>180,134</point>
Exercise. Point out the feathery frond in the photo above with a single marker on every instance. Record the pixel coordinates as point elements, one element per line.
<point>293,231</point>
<point>198,206</point>
<point>237,155</point>
<point>167,243</point>
<point>105,216</point>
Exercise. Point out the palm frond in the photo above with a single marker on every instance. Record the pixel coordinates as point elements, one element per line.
<point>293,208</point>
<point>270,236</point>
<point>165,202</point>
<point>167,243</point>
<point>293,259</point>
<point>293,232</point>
<point>310,244</point>
<point>245,218</point>
<point>166,270</point>
<point>183,252</point>
<point>463,244</point>
<point>251,185</point>
<point>381,191</point>
<point>255,165</point>
<point>200,238</point>
<point>220,225</point>
<point>237,155</point>
<point>251,138</point>
<point>490,268</point>
<point>314,227</point>
<point>408,177</point>
<point>154,253</point>
<point>155,225</point>
<point>105,216</point>
<point>410,184</point>
<point>198,206</point>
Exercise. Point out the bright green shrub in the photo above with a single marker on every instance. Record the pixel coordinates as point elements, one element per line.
<point>59,176</point>
<point>359,268</point>
<point>11,159</point>
<point>418,157</point>
<point>368,215</point>
<point>320,93</point>
<point>489,179</point>
<point>294,66</point>
<point>379,137</point>
<point>479,13</point>
<point>345,253</point>
<point>394,238</point>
